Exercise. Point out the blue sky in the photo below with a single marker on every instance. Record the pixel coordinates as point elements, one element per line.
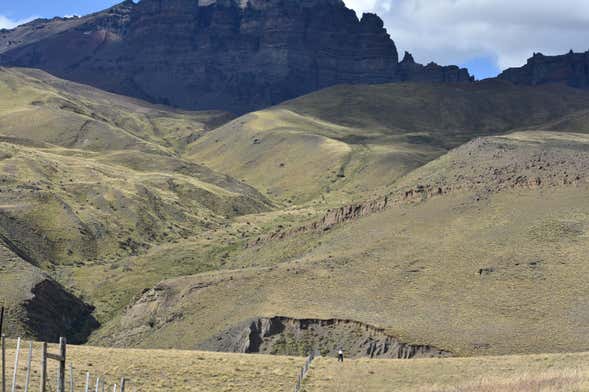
<point>483,35</point>
<point>17,10</point>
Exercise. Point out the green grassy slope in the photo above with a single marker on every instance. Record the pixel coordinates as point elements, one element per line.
<point>349,142</point>
<point>134,200</point>
<point>40,107</point>
<point>492,265</point>
<point>90,179</point>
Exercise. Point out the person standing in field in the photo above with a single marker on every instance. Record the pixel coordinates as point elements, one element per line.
<point>340,355</point>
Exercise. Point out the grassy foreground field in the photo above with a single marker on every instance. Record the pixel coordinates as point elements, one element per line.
<point>174,370</point>
<point>538,373</point>
<point>167,370</point>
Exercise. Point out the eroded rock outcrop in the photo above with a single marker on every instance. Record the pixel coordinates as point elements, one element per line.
<point>330,219</point>
<point>481,167</point>
<point>237,55</point>
<point>410,71</point>
<point>38,306</point>
<point>571,69</point>
<point>288,336</point>
<point>53,312</point>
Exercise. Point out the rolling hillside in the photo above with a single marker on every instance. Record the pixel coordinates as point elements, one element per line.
<point>186,234</point>
<point>89,179</point>
<point>491,234</point>
<point>351,142</point>
<point>42,108</point>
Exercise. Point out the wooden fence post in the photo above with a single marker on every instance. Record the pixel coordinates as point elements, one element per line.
<point>87,382</point>
<point>97,384</point>
<point>29,361</point>
<point>122,388</point>
<point>15,370</point>
<point>62,360</point>
<point>44,367</point>
<point>71,378</point>
<point>3,338</point>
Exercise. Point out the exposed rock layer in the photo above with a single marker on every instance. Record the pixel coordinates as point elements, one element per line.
<point>288,336</point>
<point>54,312</point>
<point>234,55</point>
<point>483,166</point>
<point>409,70</point>
<point>39,307</point>
<point>571,69</point>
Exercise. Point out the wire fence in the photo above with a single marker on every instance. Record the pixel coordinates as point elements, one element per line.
<point>304,370</point>
<point>31,366</point>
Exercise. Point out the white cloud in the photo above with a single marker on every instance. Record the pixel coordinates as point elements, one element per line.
<point>7,23</point>
<point>454,31</point>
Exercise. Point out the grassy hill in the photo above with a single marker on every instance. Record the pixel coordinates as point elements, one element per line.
<point>42,108</point>
<point>37,305</point>
<point>89,179</point>
<point>350,142</point>
<point>172,370</point>
<point>477,268</point>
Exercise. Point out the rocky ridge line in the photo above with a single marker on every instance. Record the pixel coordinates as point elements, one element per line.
<point>233,55</point>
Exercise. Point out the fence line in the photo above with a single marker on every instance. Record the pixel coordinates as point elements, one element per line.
<point>29,360</point>
<point>16,357</point>
<point>3,344</point>
<point>60,357</point>
<point>304,370</point>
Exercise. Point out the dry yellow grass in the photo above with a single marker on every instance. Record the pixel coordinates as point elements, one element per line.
<point>563,381</point>
<point>166,370</point>
<point>174,370</point>
<point>537,373</point>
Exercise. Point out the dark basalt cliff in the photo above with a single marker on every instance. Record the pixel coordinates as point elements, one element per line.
<point>571,69</point>
<point>409,70</point>
<point>236,55</point>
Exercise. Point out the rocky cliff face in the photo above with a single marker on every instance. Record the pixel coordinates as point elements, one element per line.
<point>571,69</point>
<point>236,55</point>
<point>289,336</point>
<point>39,307</point>
<point>409,70</point>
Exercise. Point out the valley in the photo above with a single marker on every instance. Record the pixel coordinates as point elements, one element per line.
<point>158,238</point>
<point>199,195</point>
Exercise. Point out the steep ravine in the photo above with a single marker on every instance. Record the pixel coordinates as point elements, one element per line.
<point>289,336</point>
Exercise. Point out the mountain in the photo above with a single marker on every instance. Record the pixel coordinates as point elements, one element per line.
<point>571,69</point>
<point>409,70</point>
<point>480,216</point>
<point>226,54</point>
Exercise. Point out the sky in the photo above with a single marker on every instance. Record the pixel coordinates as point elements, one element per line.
<point>484,35</point>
